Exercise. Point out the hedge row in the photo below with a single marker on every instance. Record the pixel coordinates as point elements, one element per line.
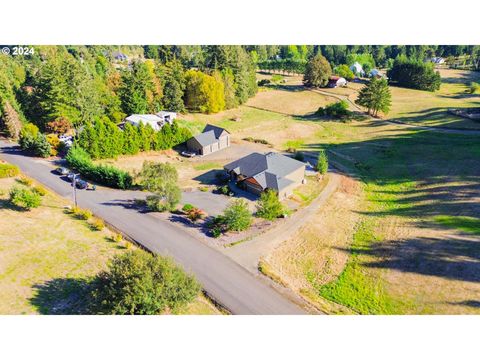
<point>79,160</point>
<point>8,170</point>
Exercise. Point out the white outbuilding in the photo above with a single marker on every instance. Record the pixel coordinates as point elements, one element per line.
<point>357,69</point>
<point>156,121</point>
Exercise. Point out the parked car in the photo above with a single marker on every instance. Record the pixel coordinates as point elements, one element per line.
<point>189,154</point>
<point>71,174</point>
<point>61,171</point>
<point>81,184</point>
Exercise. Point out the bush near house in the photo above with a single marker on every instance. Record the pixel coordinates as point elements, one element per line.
<point>269,206</point>
<point>79,160</point>
<point>142,284</point>
<point>322,162</point>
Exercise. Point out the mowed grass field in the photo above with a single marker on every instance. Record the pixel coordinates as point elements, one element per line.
<point>431,108</point>
<point>46,255</point>
<point>399,237</point>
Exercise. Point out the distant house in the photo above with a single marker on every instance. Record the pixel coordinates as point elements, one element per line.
<point>119,56</point>
<point>437,60</point>
<point>357,69</point>
<point>213,138</point>
<point>336,81</point>
<point>156,121</point>
<point>377,74</point>
<point>258,172</point>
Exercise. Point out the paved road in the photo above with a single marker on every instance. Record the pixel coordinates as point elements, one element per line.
<point>224,280</point>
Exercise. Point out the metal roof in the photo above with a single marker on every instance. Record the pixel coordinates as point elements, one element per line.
<point>269,170</point>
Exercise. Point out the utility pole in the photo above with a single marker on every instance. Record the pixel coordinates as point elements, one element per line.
<point>74,181</point>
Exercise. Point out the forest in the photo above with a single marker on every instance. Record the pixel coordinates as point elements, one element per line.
<point>73,86</point>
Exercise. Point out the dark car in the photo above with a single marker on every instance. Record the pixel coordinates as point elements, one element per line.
<point>81,184</point>
<point>61,171</point>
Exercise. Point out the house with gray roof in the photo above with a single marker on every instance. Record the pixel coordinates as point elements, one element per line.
<point>258,172</point>
<point>213,138</point>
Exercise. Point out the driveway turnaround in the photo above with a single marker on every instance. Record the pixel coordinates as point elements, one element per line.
<point>224,280</point>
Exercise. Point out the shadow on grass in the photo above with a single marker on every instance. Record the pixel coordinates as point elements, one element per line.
<point>63,296</point>
<point>449,258</point>
<point>419,175</point>
<point>470,303</point>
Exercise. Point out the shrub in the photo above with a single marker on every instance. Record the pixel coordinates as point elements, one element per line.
<point>140,283</point>
<point>299,156</point>
<point>83,214</point>
<point>237,215</point>
<point>157,203</point>
<point>195,214</point>
<point>269,206</point>
<point>203,188</point>
<point>276,78</point>
<point>79,160</point>
<point>337,110</point>
<point>54,142</point>
<point>60,126</point>
<point>25,198</point>
<point>25,181</point>
<point>474,88</point>
<point>224,189</point>
<point>8,170</point>
<point>40,190</point>
<point>322,162</point>
<point>217,226</point>
<point>187,207</point>
<point>264,82</point>
<point>117,238</point>
<point>33,141</point>
<point>97,224</point>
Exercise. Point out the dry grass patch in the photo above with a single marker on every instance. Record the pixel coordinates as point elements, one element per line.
<point>47,254</point>
<point>296,102</point>
<point>314,254</point>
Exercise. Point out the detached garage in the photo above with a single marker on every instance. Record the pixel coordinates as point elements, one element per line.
<point>213,138</point>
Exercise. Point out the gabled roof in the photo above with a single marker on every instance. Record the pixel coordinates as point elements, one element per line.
<point>210,135</point>
<point>269,170</point>
<point>206,138</point>
<point>216,129</point>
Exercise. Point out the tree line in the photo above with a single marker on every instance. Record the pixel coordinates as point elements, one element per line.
<point>104,139</point>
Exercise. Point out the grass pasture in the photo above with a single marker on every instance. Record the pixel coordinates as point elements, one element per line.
<point>431,108</point>
<point>413,246</point>
<point>47,257</point>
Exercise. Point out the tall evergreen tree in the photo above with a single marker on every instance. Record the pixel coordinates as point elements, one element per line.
<point>375,97</point>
